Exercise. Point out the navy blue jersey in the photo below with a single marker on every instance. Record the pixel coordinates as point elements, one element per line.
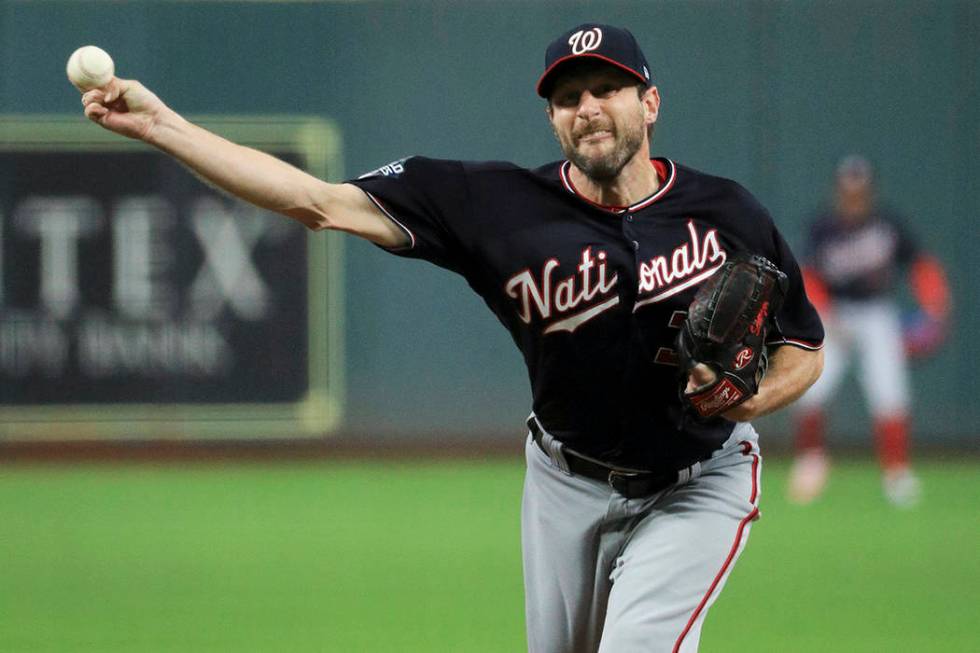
<point>593,296</point>
<point>859,260</point>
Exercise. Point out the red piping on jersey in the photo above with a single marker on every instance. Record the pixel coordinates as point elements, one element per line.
<point>388,213</point>
<point>665,172</point>
<point>746,451</point>
<point>812,345</point>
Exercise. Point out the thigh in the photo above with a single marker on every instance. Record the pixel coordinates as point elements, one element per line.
<point>680,555</point>
<point>569,544</point>
<point>835,348</point>
<point>884,372</point>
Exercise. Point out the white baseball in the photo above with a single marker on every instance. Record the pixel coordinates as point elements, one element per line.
<point>90,67</point>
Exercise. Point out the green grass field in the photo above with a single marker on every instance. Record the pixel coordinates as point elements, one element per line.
<point>388,557</point>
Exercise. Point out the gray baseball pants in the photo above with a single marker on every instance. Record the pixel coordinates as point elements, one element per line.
<point>615,575</point>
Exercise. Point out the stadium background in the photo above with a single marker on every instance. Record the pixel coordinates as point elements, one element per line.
<point>770,94</point>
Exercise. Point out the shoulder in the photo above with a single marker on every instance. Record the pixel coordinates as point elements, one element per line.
<point>891,216</point>
<point>427,172</point>
<point>714,186</point>
<point>509,172</point>
<point>487,180</point>
<point>417,162</point>
<point>689,175</point>
<point>492,168</point>
<point>720,195</point>
<point>415,166</point>
<point>823,221</point>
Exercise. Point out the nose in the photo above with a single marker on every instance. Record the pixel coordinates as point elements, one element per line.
<point>588,105</point>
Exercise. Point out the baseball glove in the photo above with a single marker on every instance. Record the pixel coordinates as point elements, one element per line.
<point>726,329</point>
<point>922,334</point>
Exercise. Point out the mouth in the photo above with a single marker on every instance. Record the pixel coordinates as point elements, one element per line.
<point>596,136</point>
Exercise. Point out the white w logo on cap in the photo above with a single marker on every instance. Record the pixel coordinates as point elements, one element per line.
<point>585,40</point>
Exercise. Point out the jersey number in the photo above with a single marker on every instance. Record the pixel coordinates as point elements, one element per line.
<point>667,355</point>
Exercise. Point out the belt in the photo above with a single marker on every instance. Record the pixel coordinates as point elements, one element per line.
<point>631,483</point>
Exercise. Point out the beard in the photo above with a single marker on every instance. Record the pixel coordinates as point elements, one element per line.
<point>603,167</point>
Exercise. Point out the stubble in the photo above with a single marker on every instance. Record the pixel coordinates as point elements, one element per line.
<point>603,167</point>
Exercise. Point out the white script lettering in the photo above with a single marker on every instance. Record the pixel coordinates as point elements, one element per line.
<point>688,264</point>
<point>546,297</point>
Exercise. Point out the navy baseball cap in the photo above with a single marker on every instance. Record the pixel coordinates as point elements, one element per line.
<point>856,167</point>
<point>614,45</point>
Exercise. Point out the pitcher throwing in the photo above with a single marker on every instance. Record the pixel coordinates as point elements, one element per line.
<point>635,506</point>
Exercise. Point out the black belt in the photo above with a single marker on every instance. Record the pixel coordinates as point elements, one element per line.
<point>631,483</point>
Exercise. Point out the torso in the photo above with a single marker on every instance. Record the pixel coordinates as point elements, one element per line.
<point>593,297</point>
<point>859,261</point>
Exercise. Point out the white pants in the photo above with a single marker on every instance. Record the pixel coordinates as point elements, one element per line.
<point>870,333</point>
<point>616,575</point>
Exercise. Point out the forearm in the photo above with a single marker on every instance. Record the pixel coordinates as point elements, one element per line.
<point>247,173</point>
<point>791,371</point>
<point>128,108</point>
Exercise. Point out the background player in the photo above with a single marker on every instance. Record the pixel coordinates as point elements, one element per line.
<point>856,253</point>
<point>634,511</point>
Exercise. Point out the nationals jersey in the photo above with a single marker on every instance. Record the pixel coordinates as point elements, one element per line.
<point>859,260</point>
<point>593,295</point>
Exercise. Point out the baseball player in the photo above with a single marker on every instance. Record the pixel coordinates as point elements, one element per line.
<point>853,261</point>
<point>634,509</point>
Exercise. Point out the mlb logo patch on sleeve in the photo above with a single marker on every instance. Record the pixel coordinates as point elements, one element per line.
<point>392,169</point>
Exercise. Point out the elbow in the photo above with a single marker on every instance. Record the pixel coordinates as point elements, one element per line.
<point>312,204</point>
<point>318,222</point>
<point>310,217</point>
<point>817,368</point>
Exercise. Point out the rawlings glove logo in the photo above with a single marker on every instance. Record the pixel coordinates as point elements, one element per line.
<point>743,358</point>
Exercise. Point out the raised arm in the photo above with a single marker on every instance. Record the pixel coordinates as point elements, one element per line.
<point>128,108</point>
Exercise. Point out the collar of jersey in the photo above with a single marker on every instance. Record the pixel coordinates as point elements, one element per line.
<point>665,185</point>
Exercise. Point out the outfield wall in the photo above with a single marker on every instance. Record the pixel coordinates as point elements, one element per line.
<point>770,94</point>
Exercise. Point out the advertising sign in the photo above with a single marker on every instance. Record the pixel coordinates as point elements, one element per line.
<point>138,302</point>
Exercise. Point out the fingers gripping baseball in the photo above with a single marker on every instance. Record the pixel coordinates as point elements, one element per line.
<point>123,106</point>
<point>120,105</point>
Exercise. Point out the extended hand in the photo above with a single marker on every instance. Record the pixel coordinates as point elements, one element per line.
<point>125,107</point>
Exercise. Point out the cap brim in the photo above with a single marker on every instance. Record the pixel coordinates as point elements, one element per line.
<point>543,86</point>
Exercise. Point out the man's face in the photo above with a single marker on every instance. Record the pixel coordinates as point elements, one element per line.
<point>600,119</point>
<point>855,195</point>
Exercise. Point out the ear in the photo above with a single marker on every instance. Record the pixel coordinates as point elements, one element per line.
<point>550,113</point>
<point>651,105</point>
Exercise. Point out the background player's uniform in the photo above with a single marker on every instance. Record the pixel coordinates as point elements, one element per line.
<point>855,266</point>
<point>593,297</point>
<point>859,265</point>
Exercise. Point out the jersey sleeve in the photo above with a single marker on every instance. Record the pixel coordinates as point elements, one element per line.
<point>907,249</point>
<point>814,240</point>
<point>425,198</point>
<point>797,323</point>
